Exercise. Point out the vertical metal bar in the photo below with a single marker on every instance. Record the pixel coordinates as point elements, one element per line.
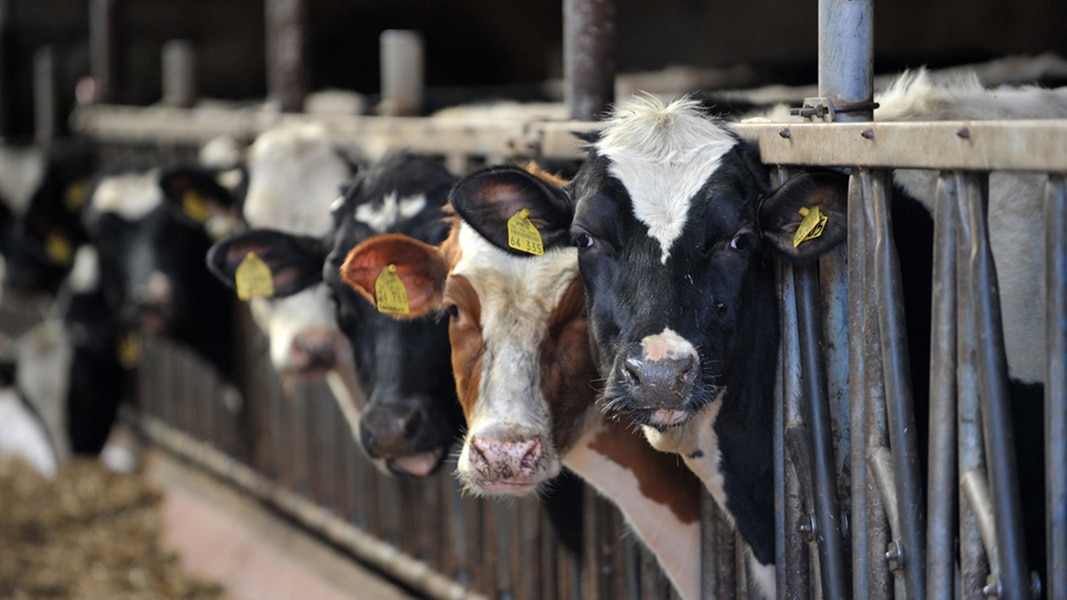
<point>1056,385</point>
<point>179,73</point>
<point>719,578</point>
<point>856,242</point>
<point>993,396</point>
<point>942,487</point>
<point>824,486</point>
<point>899,406</point>
<point>846,54</point>
<point>874,440</point>
<point>588,57</point>
<point>974,563</point>
<point>287,73</point>
<point>401,73</point>
<point>6,79</point>
<point>104,49</point>
<point>45,97</point>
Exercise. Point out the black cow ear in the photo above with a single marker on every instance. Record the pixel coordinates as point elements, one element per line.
<point>806,217</point>
<point>267,263</point>
<point>488,199</point>
<point>197,192</point>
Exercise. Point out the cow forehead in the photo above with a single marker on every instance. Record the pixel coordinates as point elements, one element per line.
<point>663,155</point>
<point>130,196</point>
<point>392,209</point>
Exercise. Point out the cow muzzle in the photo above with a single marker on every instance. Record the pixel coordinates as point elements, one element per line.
<point>404,437</point>
<point>655,380</point>
<point>506,461</point>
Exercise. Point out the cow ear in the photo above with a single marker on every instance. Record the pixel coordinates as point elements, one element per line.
<point>807,216</point>
<point>487,199</point>
<point>267,263</point>
<point>198,194</point>
<point>419,267</point>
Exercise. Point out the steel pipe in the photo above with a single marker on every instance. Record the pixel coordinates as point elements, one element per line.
<point>1056,385</point>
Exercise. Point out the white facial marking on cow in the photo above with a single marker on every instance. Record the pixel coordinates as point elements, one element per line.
<point>85,274</point>
<point>517,296</point>
<point>309,310</point>
<point>663,155</point>
<point>44,355</point>
<point>24,436</point>
<point>392,210</point>
<point>294,174</point>
<point>21,173</point>
<point>130,196</point>
<point>666,344</point>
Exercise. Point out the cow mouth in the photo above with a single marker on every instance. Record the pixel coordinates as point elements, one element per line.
<point>505,487</point>
<point>662,419</point>
<point>420,464</point>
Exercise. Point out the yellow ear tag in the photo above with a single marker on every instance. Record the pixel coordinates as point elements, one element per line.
<point>811,227</point>
<point>390,294</point>
<point>129,351</point>
<point>74,196</point>
<point>523,236</point>
<point>195,206</point>
<point>58,249</point>
<point>253,278</point>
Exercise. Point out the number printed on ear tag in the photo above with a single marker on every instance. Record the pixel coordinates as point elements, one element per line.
<point>390,295</point>
<point>523,236</point>
<point>253,278</point>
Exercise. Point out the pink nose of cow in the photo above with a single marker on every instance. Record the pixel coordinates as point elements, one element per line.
<point>314,351</point>
<point>500,461</point>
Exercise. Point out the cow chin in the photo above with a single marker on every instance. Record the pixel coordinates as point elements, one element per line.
<point>495,480</point>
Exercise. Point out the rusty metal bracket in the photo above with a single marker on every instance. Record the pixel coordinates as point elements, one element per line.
<point>823,109</point>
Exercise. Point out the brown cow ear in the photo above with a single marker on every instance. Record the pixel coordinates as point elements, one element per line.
<point>419,267</point>
<point>806,217</point>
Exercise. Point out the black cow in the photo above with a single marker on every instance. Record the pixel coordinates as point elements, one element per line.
<point>412,415</point>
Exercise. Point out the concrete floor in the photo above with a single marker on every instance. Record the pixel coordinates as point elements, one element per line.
<point>223,536</point>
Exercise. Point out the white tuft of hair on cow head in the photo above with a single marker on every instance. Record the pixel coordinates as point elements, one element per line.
<point>663,155</point>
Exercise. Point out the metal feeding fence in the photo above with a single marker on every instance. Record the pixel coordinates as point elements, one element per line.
<point>855,518</point>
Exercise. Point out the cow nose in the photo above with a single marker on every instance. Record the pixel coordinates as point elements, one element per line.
<point>154,294</point>
<point>391,430</point>
<point>661,382</point>
<point>500,460</point>
<point>314,351</point>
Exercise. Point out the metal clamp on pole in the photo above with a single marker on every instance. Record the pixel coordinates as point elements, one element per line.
<point>823,109</point>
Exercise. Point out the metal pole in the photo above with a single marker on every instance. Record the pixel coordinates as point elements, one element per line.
<point>588,57</point>
<point>401,72</point>
<point>104,49</point>
<point>287,77</point>
<point>6,87</point>
<point>846,55</point>
<point>1056,384</point>
<point>942,489</point>
<point>900,408</point>
<point>45,101</point>
<point>179,73</point>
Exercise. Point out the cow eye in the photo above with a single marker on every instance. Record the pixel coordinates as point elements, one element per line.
<point>452,310</point>
<point>741,241</point>
<point>582,239</point>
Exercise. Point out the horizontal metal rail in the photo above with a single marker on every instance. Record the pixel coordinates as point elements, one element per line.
<point>1035,145</point>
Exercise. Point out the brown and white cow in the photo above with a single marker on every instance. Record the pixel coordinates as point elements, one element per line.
<point>522,363</point>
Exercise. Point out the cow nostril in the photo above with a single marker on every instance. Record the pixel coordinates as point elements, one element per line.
<point>412,423</point>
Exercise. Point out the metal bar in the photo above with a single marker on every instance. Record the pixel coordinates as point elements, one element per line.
<point>588,57</point>
<point>179,73</point>
<point>1056,385</point>
<point>824,486</point>
<point>287,72</point>
<point>941,487</point>
<point>401,73</point>
<point>974,563</point>
<point>911,537</point>
<point>45,96</point>
<point>993,396</point>
<point>104,49</point>
<point>857,399</point>
<point>846,54</point>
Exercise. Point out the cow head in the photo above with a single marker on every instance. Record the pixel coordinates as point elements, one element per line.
<point>411,416</point>
<point>516,322</point>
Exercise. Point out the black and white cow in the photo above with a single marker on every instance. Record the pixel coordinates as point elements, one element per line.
<point>412,416</point>
<point>151,230</point>
<point>69,375</point>
<point>43,192</point>
<point>678,229</point>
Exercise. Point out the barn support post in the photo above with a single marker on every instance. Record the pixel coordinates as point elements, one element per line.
<point>401,72</point>
<point>287,63</point>
<point>943,486</point>
<point>6,87</point>
<point>588,57</point>
<point>1056,385</point>
<point>846,56</point>
<point>45,97</point>
<point>179,73</point>
<point>1013,578</point>
<point>104,47</point>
